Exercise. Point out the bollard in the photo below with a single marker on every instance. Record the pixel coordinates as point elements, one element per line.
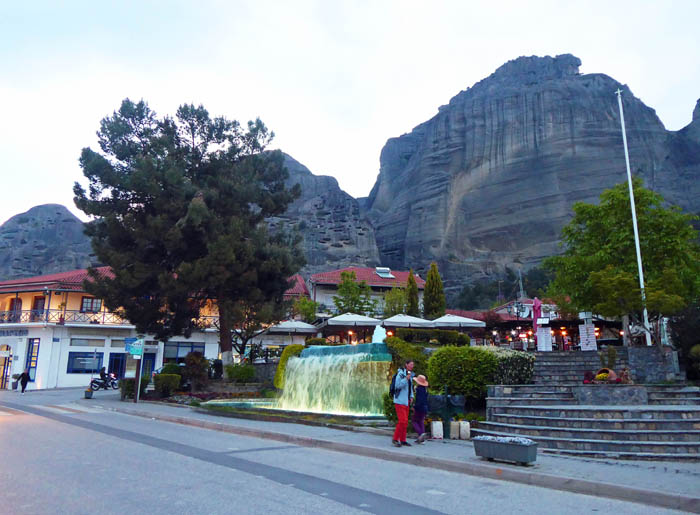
<point>464,430</point>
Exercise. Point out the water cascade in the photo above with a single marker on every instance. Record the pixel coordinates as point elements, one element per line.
<point>343,380</point>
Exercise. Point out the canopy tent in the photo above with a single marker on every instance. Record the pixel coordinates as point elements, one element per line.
<point>292,326</point>
<point>353,320</point>
<point>457,321</point>
<point>407,321</point>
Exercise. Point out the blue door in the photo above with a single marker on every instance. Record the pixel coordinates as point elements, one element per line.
<point>117,363</point>
<point>149,363</point>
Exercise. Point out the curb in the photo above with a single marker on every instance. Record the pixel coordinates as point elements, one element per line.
<point>567,484</point>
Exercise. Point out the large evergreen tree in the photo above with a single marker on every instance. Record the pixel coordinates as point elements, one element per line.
<point>179,207</point>
<point>434,295</point>
<point>598,270</point>
<point>412,307</point>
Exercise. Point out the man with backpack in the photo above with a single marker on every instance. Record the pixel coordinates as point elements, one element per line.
<point>402,391</point>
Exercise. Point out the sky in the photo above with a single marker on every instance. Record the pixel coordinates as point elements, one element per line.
<point>334,80</point>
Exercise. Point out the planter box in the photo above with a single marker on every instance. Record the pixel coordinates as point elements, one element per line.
<point>88,394</point>
<point>504,450</point>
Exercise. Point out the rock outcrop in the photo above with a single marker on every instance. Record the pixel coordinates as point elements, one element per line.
<point>44,240</point>
<point>490,180</point>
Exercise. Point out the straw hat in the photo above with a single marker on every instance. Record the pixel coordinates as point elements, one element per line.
<point>421,380</point>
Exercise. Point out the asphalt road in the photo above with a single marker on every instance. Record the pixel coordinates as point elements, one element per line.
<point>57,456</point>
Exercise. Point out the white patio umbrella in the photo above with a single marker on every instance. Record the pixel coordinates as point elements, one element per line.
<point>292,326</point>
<point>352,319</point>
<point>457,321</point>
<point>407,321</point>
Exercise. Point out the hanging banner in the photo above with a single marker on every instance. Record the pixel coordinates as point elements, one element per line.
<point>587,335</point>
<point>544,339</point>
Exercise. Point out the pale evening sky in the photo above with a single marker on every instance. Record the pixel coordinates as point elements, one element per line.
<point>333,79</point>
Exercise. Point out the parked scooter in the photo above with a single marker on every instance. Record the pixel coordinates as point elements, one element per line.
<point>110,382</point>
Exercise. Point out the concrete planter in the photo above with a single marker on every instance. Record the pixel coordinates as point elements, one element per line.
<point>505,449</point>
<point>88,394</point>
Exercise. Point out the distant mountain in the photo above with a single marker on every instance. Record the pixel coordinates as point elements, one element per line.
<point>44,240</point>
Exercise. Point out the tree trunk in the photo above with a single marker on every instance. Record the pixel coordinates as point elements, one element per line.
<point>225,345</point>
<point>626,331</point>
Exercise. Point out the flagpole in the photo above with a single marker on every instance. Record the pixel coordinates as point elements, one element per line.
<point>647,330</point>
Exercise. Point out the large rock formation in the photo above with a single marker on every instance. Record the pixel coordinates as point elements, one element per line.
<point>44,240</point>
<point>490,180</point>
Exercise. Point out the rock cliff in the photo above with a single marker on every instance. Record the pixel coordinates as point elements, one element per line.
<point>490,180</point>
<point>44,240</point>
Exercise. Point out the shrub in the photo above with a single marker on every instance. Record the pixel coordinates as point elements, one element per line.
<point>463,370</point>
<point>166,384</point>
<point>289,351</point>
<point>402,351</point>
<point>316,341</point>
<point>127,387</point>
<point>172,368</point>
<point>514,367</point>
<point>390,411</point>
<point>428,336</point>
<point>217,368</point>
<point>196,369</point>
<point>240,373</point>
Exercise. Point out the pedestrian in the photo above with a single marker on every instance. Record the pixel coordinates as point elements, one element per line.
<point>24,379</point>
<point>403,393</point>
<point>420,408</point>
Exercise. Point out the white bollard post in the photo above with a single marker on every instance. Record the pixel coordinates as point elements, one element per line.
<point>436,429</point>
<point>464,430</point>
<point>454,430</point>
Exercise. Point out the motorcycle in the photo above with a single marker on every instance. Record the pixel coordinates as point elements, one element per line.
<point>111,382</point>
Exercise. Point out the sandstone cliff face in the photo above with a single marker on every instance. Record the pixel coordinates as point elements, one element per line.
<point>44,240</point>
<point>490,180</point>
<point>335,234</point>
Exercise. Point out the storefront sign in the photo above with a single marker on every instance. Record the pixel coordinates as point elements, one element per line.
<point>587,335</point>
<point>133,346</point>
<point>544,339</point>
<point>14,332</point>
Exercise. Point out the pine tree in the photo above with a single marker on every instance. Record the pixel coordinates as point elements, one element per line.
<point>412,307</point>
<point>433,296</point>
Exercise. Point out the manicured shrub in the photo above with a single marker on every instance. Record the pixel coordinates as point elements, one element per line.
<point>402,351</point>
<point>127,387</point>
<point>172,368</point>
<point>196,369</point>
<point>463,370</point>
<point>514,367</point>
<point>316,341</point>
<point>289,351</point>
<point>166,384</point>
<point>433,336</point>
<point>240,373</point>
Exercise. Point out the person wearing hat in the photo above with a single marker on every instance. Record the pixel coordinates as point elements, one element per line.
<point>420,408</point>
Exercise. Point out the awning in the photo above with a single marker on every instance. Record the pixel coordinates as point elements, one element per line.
<point>407,321</point>
<point>354,320</point>
<point>292,326</point>
<point>457,321</point>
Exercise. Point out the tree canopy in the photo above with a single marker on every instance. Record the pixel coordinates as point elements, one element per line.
<point>353,296</point>
<point>412,305</point>
<point>395,302</point>
<point>434,294</point>
<point>598,270</point>
<point>179,207</point>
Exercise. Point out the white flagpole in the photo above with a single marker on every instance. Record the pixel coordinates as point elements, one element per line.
<point>647,330</point>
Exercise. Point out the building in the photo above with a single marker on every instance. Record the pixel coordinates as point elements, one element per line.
<point>52,326</point>
<point>324,285</point>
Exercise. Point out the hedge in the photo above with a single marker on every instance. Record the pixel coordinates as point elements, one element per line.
<point>514,367</point>
<point>172,368</point>
<point>166,384</point>
<point>240,373</point>
<point>316,341</point>
<point>425,336</point>
<point>402,351</point>
<point>289,351</point>
<point>127,387</point>
<point>463,370</point>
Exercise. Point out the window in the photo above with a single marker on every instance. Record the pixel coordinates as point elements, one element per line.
<point>90,305</point>
<point>86,342</point>
<point>32,357</point>
<point>115,343</point>
<point>84,362</point>
<point>176,351</point>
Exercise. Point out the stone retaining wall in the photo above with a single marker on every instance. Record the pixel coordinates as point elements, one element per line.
<point>610,394</point>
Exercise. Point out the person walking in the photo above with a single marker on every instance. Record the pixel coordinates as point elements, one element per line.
<point>24,379</point>
<point>420,408</point>
<point>403,393</point>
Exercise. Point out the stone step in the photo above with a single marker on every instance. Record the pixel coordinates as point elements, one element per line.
<point>603,412</point>
<point>530,388</point>
<point>672,394</point>
<point>653,388</point>
<point>616,446</point>
<point>637,456</point>
<point>673,401</point>
<point>553,369</point>
<point>571,382</point>
<point>599,423</point>
<point>493,402</point>
<point>625,435</point>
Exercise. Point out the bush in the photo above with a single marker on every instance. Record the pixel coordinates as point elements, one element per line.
<point>463,370</point>
<point>390,411</point>
<point>127,387</point>
<point>196,369</point>
<point>430,336</point>
<point>402,351</point>
<point>514,367</point>
<point>240,373</point>
<point>316,341</point>
<point>172,368</point>
<point>166,384</point>
<point>217,369</point>
<point>289,351</point>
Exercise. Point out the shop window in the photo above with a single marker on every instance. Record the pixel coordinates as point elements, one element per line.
<point>86,342</point>
<point>176,351</point>
<point>117,344</point>
<point>90,305</point>
<point>32,357</point>
<point>84,362</point>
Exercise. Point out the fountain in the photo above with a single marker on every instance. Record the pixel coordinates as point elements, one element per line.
<point>336,380</point>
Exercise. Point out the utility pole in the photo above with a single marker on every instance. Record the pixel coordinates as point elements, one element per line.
<point>647,329</point>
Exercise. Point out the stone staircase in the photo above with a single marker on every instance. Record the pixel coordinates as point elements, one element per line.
<point>664,423</point>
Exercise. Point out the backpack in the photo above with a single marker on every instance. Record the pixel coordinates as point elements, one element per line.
<point>392,387</point>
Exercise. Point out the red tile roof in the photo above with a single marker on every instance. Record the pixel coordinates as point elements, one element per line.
<point>298,288</point>
<point>369,275</point>
<point>481,315</point>
<point>72,280</point>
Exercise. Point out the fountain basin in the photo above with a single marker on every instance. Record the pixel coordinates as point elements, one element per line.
<point>271,407</point>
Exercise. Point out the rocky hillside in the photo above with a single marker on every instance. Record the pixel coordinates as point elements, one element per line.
<point>490,180</point>
<point>44,240</point>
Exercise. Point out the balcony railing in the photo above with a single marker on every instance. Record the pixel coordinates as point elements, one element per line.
<point>59,316</point>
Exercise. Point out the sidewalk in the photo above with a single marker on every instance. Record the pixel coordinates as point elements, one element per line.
<point>665,484</point>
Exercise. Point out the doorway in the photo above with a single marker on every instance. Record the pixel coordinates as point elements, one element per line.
<point>117,364</point>
<point>5,365</point>
<point>38,304</point>
<point>149,363</point>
